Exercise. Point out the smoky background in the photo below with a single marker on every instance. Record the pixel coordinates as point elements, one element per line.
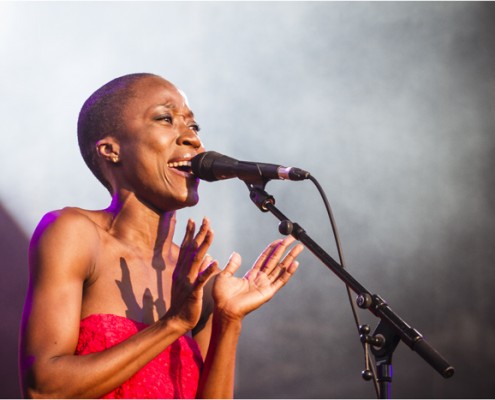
<point>389,105</point>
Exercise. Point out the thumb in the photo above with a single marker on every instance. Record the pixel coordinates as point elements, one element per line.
<point>205,275</point>
<point>233,264</point>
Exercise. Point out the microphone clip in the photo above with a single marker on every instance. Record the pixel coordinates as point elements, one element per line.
<point>258,195</point>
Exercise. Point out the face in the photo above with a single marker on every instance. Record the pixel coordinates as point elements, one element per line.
<point>160,135</point>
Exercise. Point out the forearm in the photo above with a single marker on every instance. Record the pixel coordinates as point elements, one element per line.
<point>94,375</point>
<point>217,378</point>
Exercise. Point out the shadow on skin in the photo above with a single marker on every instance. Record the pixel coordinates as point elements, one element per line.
<point>158,262</point>
<point>127,291</point>
<point>133,308</point>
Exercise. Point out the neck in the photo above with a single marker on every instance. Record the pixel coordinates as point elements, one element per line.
<point>135,222</point>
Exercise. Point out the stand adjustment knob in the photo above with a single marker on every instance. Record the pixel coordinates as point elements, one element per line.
<point>364,300</point>
<point>285,227</point>
<point>364,329</point>
<point>367,375</point>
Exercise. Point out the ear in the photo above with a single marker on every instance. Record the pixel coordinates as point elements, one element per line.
<point>109,149</point>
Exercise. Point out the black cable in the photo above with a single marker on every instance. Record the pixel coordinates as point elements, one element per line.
<point>342,263</point>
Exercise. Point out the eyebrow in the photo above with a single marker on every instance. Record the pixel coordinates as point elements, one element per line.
<point>171,106</point>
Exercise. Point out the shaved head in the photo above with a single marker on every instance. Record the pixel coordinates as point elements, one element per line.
<point>101,116</point>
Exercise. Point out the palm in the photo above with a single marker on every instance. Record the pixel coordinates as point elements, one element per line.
<point>242,295</point>
<point>239,296</point>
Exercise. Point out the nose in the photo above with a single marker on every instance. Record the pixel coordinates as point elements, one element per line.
<point>188,137</point>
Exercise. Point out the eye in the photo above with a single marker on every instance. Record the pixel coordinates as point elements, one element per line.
<point>194,127</point>
<point>165,117</point>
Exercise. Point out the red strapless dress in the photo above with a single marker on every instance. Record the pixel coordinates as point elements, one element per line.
<point>173,374</point>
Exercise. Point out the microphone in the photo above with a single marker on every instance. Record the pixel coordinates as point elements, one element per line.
<point>212,166</point>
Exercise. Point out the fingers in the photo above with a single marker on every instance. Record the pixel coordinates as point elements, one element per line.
<point>268,260</point>
<point>188,237</point>
<point>280,275</point>
<point>193,250</point>
<point>266,254</point>
<point>269,264</point>
<point>287,261</point>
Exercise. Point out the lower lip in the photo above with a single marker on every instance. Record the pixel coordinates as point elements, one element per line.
<point>182,173</point>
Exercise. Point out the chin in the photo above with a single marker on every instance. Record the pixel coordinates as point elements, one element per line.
<point>189,200</point>
<point>193,200</point>
<point>172,202</point>
<point>192,195</point>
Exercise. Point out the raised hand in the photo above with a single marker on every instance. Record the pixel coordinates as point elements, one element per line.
<point>194,268</point>
<point>236,297</point>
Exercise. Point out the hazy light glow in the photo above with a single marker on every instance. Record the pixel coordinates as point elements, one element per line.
<point>389,104</point>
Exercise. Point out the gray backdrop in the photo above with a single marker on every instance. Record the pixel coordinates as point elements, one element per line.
<point>391,107</point>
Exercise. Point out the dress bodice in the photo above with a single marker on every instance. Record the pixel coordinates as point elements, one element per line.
<point>174,373</point>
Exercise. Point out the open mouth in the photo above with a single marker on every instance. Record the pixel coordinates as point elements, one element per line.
<point>182,166</point>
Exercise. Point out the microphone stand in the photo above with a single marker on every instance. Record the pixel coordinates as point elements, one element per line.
<point>391,328</point>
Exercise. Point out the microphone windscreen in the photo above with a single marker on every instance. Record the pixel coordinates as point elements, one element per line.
<point>202,165</point>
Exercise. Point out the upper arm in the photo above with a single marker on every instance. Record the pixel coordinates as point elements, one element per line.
<point>60,257</point>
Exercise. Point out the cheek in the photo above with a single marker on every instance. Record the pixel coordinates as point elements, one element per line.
<point>148,158</point>
<point>148,142</point>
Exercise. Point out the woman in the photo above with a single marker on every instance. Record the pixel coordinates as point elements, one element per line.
<point>116,309</point>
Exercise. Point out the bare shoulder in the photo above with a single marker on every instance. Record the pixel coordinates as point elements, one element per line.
<point>69,235</point>
<point>67,220</point>
<point>65,224</point>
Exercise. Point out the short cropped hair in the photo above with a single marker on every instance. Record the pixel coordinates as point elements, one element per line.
<point>101,115</point>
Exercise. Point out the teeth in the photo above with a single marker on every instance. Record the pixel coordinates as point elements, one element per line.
<point>179,164</point>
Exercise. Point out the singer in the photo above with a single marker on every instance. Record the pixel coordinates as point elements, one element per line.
<point>114,308</point>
